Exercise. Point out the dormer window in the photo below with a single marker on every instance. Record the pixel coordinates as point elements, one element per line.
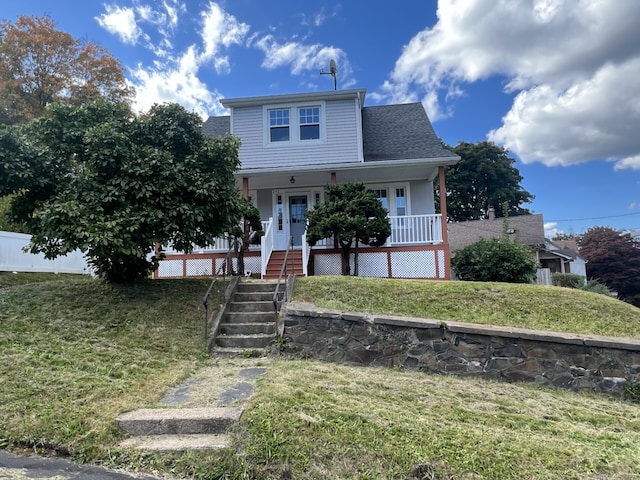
<point>295,124</point>
<point>279,125</point>
<point>309,123</point>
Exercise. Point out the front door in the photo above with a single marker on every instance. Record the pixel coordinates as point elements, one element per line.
<point>297,218</point>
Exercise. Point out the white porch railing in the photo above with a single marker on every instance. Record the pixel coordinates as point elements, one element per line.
<point>415,229</point>
<point>405,230</point>
<point>266,245</point>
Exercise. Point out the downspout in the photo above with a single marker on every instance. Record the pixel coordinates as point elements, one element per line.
<point>443,213</point>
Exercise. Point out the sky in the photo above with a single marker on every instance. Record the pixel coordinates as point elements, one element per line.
<point>556,82</point>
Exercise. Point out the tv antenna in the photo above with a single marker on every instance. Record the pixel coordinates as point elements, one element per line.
<point>333,71</point>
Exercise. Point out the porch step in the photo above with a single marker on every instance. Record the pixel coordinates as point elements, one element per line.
<point>250,323</point>
<point>294,264</point>
<point>171,443</point>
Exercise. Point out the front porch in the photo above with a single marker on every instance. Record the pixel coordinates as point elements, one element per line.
<point>415,249</point>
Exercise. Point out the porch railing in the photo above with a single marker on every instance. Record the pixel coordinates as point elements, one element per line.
<point>266,245</point>
<point>415,229</point>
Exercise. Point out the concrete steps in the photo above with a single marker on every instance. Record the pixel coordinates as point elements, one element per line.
<point>250,323</point>
<point>197,414</point>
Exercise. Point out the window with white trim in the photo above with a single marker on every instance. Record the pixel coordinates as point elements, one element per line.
<point>381,194</point>
<point>309,122</point>
<point>401,201</point>
<point>279,125</point>
<point>294,124</point>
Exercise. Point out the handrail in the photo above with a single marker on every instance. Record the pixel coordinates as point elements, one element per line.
<point>277,304</point>
<point>266,247</point>
<point>228,259</point>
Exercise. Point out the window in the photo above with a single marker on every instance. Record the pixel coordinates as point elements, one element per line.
<point>279,125</point>
<point>381,194</point>
<point>293,125</point>
<point>309,123</point>
<point>401,202</point>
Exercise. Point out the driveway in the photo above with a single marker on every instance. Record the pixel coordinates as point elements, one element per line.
<point>14,467</point>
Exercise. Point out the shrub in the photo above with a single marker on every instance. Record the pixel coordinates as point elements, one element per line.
<point>495,260</point>
<point>596,287</point>
<point>568,280</point>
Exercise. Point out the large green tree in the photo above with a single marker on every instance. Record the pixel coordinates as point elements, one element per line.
<point>114,185</point>
<point>484,177</point>
<point>350,214</point>
<point>40,65</point>
<point>613,258</point>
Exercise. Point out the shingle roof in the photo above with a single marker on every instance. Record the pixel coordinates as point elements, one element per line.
<point>217,126</point>
<point>399,132</point>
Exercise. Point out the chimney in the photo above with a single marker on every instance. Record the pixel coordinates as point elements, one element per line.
<point>491,213</point>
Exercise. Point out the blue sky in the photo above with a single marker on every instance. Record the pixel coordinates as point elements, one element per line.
<point>554,81</point>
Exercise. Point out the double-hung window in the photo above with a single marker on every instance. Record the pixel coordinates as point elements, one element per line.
<point>279,125</point>
<point>309,121</point>
<point>295,124</point>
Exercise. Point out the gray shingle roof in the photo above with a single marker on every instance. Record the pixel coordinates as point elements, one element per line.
<point>217,126</point>
<point>399,132</point>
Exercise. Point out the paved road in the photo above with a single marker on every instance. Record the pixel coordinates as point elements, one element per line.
<point>14,467</point>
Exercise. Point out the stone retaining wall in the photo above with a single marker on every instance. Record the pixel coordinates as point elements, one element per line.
<point>576,362</point>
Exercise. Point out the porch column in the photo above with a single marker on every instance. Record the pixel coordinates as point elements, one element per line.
<point>333,178</point>
<point>443,212</point>
<point>245,187</point>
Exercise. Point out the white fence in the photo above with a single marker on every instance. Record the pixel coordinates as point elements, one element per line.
<point>14,259</point>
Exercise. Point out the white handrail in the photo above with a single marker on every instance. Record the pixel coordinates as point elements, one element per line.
<point>306,251</point>
<point>266,246</point>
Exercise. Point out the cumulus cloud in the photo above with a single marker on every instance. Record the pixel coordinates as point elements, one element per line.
<point>220,30</point>
<point>301,58</point>
<point>551,230</point>
<point>573,67</point>
<point>120,21</point>
<point>179,84</point>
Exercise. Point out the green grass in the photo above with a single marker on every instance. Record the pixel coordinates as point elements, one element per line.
<point>505,304</point>
<point>77,352</point>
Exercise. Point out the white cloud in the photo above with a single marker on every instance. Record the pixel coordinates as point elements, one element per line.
<point>219,29</point>
<point>120,21</point>
<point>572,64</point>
<point>551,230</point>
<point>180,85</point>
<point>302,58</point>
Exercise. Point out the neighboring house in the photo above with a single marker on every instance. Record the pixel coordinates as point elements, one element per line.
<point>293,146</point>
<point>526,229</point>
<point>561,258</point>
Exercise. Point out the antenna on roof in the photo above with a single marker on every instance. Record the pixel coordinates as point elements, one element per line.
<point>333,71</point>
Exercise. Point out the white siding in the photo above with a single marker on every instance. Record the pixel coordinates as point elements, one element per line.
<point>342,139</point>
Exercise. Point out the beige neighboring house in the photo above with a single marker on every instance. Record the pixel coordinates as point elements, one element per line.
<point>526,229</point>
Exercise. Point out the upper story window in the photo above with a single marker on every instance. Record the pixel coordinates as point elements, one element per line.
<point>279,125</point>
<point>294,124</point>
<point>309,123</point>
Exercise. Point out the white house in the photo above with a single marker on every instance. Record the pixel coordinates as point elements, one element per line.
<point>294,145</point>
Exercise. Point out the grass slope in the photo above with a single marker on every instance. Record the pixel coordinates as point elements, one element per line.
<point>506,304</point>
<point>77,352</point>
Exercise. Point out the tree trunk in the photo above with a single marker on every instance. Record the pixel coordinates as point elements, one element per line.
<point>346,264</point>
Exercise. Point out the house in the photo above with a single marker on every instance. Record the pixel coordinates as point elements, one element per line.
<point>527,230</point>
<point>294,145</point>
<point>561,258</point>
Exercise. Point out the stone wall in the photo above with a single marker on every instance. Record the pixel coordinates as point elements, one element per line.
<point>576,362</point>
